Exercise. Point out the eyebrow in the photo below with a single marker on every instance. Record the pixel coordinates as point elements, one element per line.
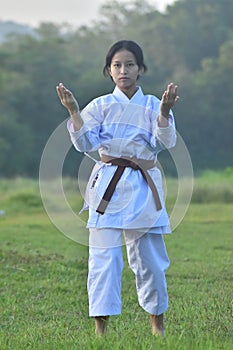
<point>116,61</point>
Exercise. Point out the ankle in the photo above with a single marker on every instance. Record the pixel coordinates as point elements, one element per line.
<point>101,325</point>
<point>157,324</point>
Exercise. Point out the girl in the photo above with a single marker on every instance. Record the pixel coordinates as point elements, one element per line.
<point>124,193</point>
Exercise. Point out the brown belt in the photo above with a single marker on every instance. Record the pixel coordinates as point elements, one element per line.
<point>137,164</point>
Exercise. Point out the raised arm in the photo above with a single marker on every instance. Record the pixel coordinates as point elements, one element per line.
<point>71,104</point>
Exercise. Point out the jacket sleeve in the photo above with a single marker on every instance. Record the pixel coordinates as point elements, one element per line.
<point>87,138</point>
<point>162,138</point>
<point>166,137</point>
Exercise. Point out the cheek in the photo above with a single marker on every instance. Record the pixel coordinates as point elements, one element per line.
<point>112,73</point>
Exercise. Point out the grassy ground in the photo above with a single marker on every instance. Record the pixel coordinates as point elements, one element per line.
<point>43,281</point>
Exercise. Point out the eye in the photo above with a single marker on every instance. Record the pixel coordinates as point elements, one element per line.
<point>116,65</point>
<point>131,64</point>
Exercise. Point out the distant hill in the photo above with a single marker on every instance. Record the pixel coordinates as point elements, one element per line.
<point>10,27</point>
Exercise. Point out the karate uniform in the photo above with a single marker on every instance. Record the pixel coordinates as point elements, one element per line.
<point>119,127</point>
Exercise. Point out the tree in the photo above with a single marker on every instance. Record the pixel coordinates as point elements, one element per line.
<point>190,44</point>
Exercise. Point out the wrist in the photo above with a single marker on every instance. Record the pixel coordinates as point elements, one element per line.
<point>163,120</point>
<point>74,113</point>
<point>76,120</point>
<point>73,108</point>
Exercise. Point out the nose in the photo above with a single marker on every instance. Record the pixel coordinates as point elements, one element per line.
<point>123,69</point>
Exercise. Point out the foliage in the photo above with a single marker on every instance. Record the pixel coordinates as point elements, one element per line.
<point>214,187</point>
<point>190,44</point>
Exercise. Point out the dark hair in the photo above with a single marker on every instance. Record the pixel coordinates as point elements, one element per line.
<point>127,45</point>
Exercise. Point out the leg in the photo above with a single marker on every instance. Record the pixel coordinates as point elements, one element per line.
<point>104,277</point>
<point>148,259</point>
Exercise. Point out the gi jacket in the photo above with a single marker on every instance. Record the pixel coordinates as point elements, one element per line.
<point>120,127</point>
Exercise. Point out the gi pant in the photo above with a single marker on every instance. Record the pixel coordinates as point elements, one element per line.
<point>147,257</point>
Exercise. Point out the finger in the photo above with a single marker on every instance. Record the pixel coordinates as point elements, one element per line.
<point>68,92</point>
<point>164,96</point>
<point>175,90</point>
<point>65,91</point>
<point>59,92</point>
<point>60,89</point>
<point>170,87</point>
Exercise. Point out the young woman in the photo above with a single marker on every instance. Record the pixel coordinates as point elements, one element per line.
<point>125,193</point>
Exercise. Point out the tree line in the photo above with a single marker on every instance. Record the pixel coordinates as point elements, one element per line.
<point>191,44</point>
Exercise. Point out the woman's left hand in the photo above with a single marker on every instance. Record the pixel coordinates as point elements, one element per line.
<point>168,100</point>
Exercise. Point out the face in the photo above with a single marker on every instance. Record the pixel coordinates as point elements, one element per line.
<point>124,71</point>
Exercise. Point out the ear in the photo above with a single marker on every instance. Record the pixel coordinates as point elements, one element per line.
<point>139,73</point>
<point>141,70</point>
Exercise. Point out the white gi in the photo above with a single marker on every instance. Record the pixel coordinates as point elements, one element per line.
<point>120,127</point>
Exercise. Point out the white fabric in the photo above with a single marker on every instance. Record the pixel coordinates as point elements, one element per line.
<point>121,127</point>
<point>148,260</point>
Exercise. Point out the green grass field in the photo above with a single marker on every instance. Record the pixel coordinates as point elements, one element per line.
<point>43,278</point>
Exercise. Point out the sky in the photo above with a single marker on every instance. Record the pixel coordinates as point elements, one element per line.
<point>73,12</point>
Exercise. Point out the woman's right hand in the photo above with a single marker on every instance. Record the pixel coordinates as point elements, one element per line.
<point>67,99</point>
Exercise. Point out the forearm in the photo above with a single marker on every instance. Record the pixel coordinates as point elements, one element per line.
<point>76,119</point>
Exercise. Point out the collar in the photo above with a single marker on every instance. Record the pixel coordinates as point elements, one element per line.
<point>121,97</point>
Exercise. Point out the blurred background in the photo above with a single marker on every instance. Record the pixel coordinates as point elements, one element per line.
<point>188,42</point>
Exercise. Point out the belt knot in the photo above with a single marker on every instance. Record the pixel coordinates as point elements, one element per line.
<point>136,164</point>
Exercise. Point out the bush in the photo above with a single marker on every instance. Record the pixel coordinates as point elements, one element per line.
<point>214,186</point>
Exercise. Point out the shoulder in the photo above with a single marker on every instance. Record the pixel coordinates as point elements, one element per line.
<point>100,100</point>
<point>97,107</point>
<point>147,98</point>
<point>151,101</point>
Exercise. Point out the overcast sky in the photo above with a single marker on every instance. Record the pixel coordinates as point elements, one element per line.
<point>74,12</point>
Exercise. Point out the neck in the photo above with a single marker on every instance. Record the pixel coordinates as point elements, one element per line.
<point>130,92</point>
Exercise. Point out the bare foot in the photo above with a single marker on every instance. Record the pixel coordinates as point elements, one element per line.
<point>157,324</point>
<point>101,325</point>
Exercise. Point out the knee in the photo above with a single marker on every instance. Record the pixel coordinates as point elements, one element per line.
<point>106,258</point>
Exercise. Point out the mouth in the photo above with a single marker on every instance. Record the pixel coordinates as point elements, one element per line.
<point>123,78</point>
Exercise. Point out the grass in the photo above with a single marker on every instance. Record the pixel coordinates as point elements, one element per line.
<point>43,281</point>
